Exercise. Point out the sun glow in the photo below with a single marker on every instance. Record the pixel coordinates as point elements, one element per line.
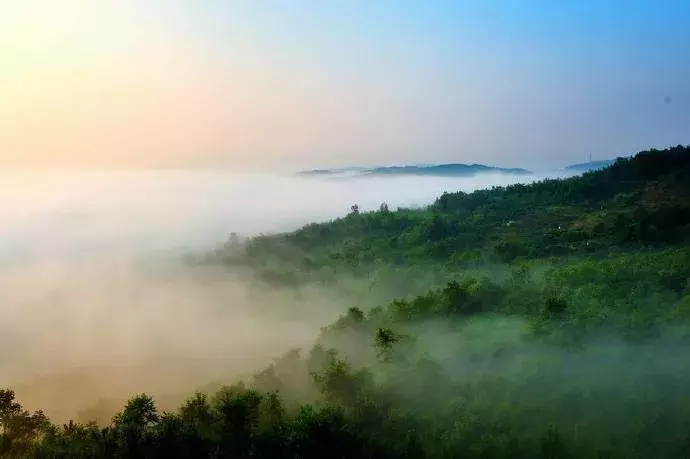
<point>94,83</point>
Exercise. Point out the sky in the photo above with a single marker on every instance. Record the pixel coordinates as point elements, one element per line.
<point>256,84</point>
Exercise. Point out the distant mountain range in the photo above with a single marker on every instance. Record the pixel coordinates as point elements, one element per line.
<point>590,165</point>
<point>442,170</point>
<point>437,170</point>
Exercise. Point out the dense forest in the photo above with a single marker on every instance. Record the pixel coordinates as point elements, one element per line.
<point>549,320</point>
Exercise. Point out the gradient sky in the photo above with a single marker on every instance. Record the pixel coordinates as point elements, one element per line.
<point>315,83</point>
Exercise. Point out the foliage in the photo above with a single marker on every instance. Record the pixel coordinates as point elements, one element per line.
<point>533,321</point>
<point>637,202</point>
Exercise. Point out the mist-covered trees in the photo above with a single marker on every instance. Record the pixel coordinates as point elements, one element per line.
<point>637,202</point>
<point>549,320</point>
<point>18,427</point>
<point>476,368</point>
<point>479,386</point>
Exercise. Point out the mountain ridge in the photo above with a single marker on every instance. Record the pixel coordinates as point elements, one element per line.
<point>444,169</point>
<point>590,165</point>
<point>440,170</point>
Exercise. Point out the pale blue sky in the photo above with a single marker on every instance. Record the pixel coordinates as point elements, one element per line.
<point>513,83</point>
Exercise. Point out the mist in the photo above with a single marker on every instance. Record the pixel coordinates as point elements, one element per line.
<point>157,211</point>
<point>98,304</point>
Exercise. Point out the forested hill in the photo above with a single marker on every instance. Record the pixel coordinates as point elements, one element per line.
<point>640,201</point>
<point>577,355</point>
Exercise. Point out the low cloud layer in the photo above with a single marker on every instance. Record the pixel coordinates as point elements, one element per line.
<point>97,304</point>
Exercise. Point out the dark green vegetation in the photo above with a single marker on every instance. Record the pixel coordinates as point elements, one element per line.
<point>549,320</point>
<point>639,202</point>
<point>637,205</point>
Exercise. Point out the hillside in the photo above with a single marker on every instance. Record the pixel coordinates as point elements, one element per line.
<point>639,202</point>
<point>623,229</point>
<point>549,320</point>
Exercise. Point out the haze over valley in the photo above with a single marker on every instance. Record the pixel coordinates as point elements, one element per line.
<point>91,266</point>
<point>391,230</point>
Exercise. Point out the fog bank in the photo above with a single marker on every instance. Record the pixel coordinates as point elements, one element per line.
<point>97,304</point>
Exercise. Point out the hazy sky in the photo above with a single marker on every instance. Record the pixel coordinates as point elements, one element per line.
<point>302,83</point>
